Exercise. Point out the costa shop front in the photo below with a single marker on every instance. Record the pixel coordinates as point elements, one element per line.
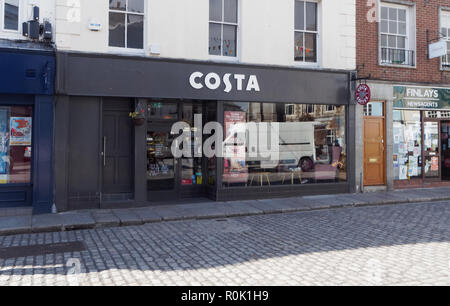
<point>106,159</point>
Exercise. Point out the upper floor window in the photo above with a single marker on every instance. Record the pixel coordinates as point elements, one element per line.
<point>306,31</point>
<point>223,27</point>
<point>445,31</point>
<point>394,39</point>
<point>126,23</point>
<point>11,15</point>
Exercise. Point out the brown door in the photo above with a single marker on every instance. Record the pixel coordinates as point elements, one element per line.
<point>374,145</point>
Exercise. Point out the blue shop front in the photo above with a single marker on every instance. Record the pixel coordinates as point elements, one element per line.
<point>26,127</point>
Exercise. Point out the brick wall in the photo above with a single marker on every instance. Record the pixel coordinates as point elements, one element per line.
<point>426,71</point>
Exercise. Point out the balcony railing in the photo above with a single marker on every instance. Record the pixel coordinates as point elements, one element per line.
<point>391,56</point>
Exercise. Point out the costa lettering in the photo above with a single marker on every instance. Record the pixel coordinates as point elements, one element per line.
<point>228,81</point>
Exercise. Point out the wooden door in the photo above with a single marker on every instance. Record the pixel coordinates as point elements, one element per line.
<point>118,145</point>
<point>374,151</point>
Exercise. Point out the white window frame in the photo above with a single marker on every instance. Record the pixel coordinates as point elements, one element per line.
<point>445,65</point>
<point>287,107</point>
<point>318,39</point>
<point>126,49</point>
<point>238,34</point>
<point>312,110</point>
<point>2,18</point>
<point>409,42</point>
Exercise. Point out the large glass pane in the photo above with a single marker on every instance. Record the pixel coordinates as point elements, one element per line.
<point>135,29</point>
<point>300,15</point>
<point>393,27</point>
<point>299,47</point>
<point>229,40</point>
<point>215,10</point>
<point>230,11</point>
<point>384,13</point>
<point>302,148</point>
<point>402,28</point>
<point>136,6</point>
<point>16,128</point>
<point>11,21</point>
<point>191,168</point>
<point>445,155</point>
<point>402,15</point>
<point>311,16</point>
<point>384,26</point>
<point>407,144</point>
<point>161,163</point>
<point>117,30</point>
<point>310,47</point>
<point>119,5</point>
<point>384,41</point>
<point>431,147</point>
<point>215,38</point>
<point>159,111</point>
<point>393,14</point>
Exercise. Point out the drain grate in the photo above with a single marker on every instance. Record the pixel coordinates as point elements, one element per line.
<point>42,249</point>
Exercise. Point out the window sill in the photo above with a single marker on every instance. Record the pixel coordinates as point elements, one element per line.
<point>397,66</point>
<point>126,51</point>
<point>224,59</point>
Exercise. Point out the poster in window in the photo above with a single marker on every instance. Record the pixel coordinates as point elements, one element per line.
<point>435,164</point>
<point>4,146</point>
<point>235,165</point>
<point>20,130</point>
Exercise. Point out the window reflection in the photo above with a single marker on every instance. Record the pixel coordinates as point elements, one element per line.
<point>312,146</point>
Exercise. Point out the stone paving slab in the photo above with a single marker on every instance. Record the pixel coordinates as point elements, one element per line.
<point>105,218</point>
<point>127,217</point>
<point>148,214</point>
<point>74,220</point>
<point>46,223</point>
<point>15,225</point>
<point>211,210</point>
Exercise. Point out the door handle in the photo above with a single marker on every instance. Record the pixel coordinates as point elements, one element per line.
<point>104,151</point>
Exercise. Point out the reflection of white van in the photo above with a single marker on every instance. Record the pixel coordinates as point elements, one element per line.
<point>296,147</point>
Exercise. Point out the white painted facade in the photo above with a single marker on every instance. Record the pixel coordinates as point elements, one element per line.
<point>180,29</point>
<point>47,13</point>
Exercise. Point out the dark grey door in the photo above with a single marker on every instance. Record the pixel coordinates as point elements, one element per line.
<point>118,144</point>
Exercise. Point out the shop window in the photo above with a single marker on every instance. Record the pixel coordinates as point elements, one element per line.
<point>306,31</point>
<point>223,27</point>
<point>408,144</point>
<point>445,32</point>
<point>395,39</point>
<point>15,144</point>
<point>11,15</point>
<point>311,149</point>
<point>126,23</point>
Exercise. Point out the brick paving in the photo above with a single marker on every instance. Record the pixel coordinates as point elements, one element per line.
<point>406,244</point>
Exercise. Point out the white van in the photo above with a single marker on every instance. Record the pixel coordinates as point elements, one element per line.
<point>296,147</point>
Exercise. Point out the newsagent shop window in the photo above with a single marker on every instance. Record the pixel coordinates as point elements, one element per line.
<point>15,144</point>
<point>126,23</point>
<point>408,145</point>
<point>312,147</point>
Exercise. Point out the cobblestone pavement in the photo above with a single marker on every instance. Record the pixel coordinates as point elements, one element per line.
<point>393,245</point>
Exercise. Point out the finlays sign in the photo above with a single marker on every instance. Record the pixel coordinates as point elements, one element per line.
<point>426,98</point>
